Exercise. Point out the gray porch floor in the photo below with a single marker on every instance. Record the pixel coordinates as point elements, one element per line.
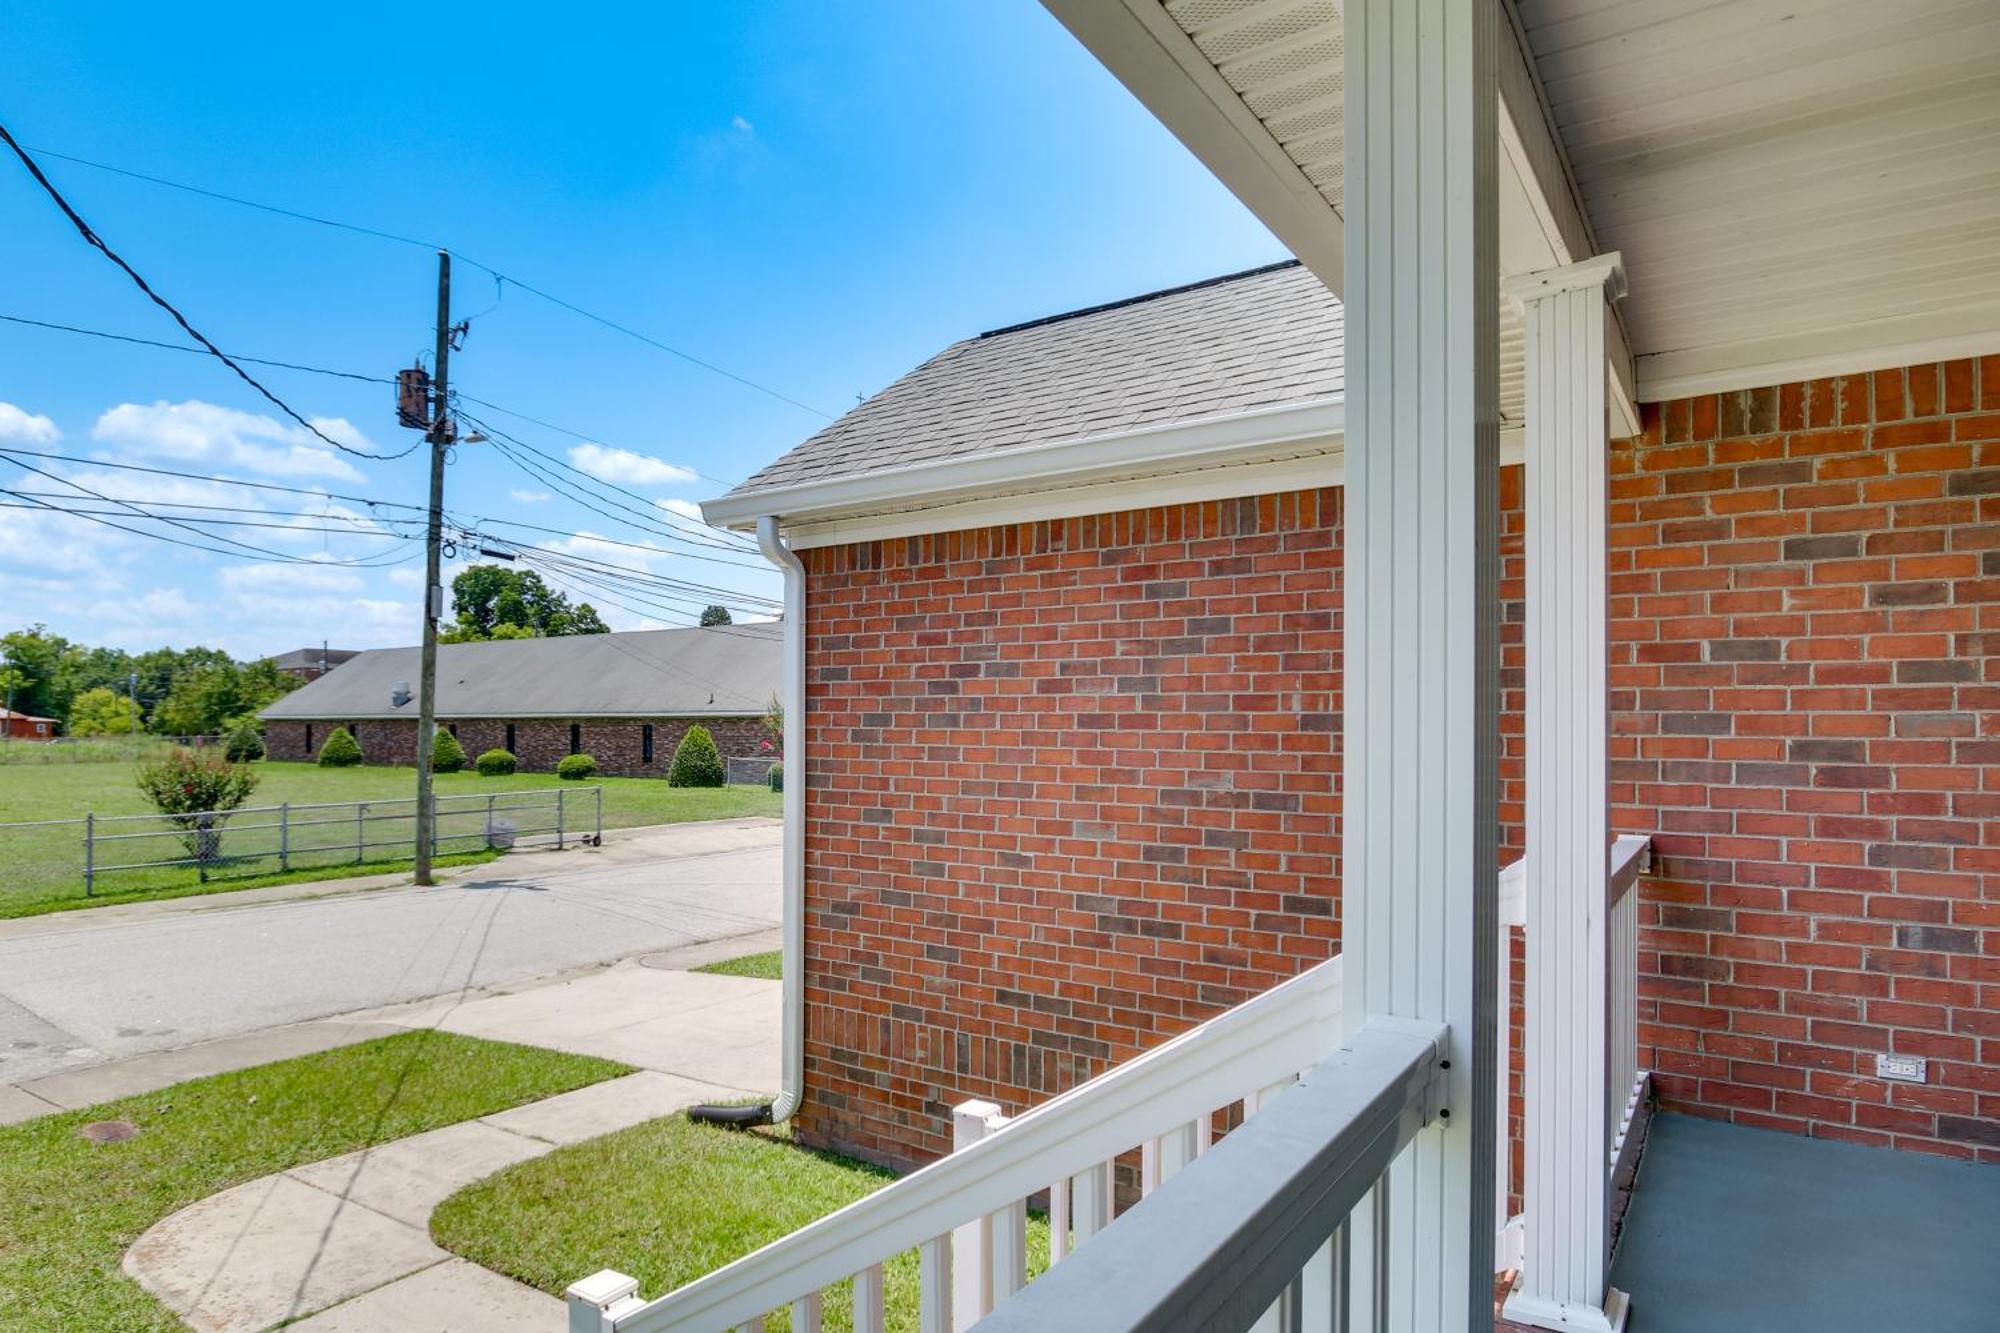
<point>1733,1228</point>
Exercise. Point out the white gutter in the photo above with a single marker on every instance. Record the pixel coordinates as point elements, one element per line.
<point>792,678</point>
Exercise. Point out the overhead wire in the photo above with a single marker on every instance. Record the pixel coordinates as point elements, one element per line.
<point>496,274</point>
<point>84,229</point>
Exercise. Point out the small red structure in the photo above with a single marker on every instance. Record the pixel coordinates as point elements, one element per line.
<point>23,727</point>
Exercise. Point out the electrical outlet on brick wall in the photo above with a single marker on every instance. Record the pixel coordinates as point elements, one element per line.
<point>1902,1068</point>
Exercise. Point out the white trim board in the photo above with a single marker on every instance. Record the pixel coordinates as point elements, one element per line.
<point>1326,466</point>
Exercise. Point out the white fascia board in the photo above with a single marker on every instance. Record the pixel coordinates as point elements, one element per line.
<point>1843,349</point>
<point>1242,437</point>
<point>1147,51</point>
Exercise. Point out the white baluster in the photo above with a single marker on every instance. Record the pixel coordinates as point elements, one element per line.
<point>869,1311</point>
<point>1204,1132</point>
<point>806,1313</point>
<point>1090,1201</point>
<point>1009,1249</point>
<point>934,1286</point>
<point>751,1325</point>
<point>1176,1148</point>
<point>1058,1221</point>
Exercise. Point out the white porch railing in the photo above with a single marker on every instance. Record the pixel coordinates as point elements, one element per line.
<point>965,1215</point>
<point>1624,1080</point>
<point>1580,1117</point>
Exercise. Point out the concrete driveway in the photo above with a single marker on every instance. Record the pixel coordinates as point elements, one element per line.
<point>83,988</point>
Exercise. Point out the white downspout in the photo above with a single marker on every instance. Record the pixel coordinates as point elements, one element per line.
<point>792,687</point>
<point>792,696</point>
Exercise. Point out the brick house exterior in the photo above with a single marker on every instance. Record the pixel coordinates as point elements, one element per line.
<point>1074,783</point>
<point>625,699</point>
<point>618,744</point>
<point>1805,670</point>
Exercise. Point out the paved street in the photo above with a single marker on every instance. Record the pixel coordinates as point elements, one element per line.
<point>77,991</point>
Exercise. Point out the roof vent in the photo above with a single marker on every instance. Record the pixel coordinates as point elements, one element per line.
<point>401,694</point>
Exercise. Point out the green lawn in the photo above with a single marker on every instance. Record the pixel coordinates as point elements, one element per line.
<point>667,1202</point>
<point>70,1208</point>
<point>41,869</point>
<point>762,966</point>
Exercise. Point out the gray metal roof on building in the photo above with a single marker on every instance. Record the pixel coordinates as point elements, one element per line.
<point>1269,337</point>
<point>723,671</point>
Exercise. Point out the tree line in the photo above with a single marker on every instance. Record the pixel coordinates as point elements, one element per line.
<point>96,691</point>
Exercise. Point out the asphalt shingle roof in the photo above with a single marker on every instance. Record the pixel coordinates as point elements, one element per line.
<point>1270,337</point>
<point>725,671</point>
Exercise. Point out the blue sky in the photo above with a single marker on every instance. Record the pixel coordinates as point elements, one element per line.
<point>814,196</point>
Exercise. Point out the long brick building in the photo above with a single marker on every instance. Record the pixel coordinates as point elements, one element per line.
<point>624,699</point>
<point>1074,748</point>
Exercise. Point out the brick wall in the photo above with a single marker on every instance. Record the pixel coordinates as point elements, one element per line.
<point>1806,689</point>
<point>539,743</point>
<point>1072,790</point>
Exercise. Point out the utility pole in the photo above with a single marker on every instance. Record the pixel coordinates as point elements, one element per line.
<point>439,435</point>
<point>132,703</point>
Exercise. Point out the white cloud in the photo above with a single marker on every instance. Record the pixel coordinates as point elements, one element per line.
<point>199,432</point>
<point>529,497</point>
<point>628,468</point>
<point>741,125</point>
<point>282,579</point>
<point>685,508</point>
<point>22,427</point>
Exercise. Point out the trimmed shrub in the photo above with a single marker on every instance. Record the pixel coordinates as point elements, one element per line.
<point>775,778</point>
<point>189,786</point>
<point>447,755</point>
<point>496,763</point>
<point>576,767</point>
<point>697,763</point>
<point>341,750</point>
<point>244,743</point>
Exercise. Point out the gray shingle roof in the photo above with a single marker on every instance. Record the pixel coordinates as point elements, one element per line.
<point>1270,337</point>
<point>310,657</point>
<point>721,672</point>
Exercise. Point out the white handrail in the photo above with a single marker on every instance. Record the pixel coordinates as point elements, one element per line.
<point>1256,1045</point>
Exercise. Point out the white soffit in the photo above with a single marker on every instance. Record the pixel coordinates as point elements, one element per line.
<point>1802,188</point>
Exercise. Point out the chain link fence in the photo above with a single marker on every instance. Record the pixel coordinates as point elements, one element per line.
<point>125,853</point>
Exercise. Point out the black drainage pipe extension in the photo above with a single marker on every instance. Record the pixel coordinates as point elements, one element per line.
<point>732,1117</point>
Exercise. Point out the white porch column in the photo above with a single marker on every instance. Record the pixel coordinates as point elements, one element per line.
<point>1566,1177</point>
<point>1422,292</point>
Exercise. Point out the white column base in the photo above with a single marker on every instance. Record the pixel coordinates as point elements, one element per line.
<point>1537,1312</point>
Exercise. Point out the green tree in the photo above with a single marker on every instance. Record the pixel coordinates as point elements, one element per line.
<point>715,614</point>
<point>697,763</point>
<point>493,602</point>
<point>43,667</point>
<point>191,787</point>
<point>99,712</point>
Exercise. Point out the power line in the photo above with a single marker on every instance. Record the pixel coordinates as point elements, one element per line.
<point>194,546</point>
<point>84,229</point>
<point>495,273</point>
<point>585,436</point>
<point>260,551</point>
<point>177,347</point>
<point>463,522</point>
<point>651,511</point>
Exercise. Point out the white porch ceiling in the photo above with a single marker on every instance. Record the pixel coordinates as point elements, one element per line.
<point>1774,171</point>
<point>1799,187</point>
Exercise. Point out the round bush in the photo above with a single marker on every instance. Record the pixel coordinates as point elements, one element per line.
<point>447,755</point>
<point>341,750</point>
<point>697,763</point>
<point>496,764</point>
<point>243,744</point>
<point>775,778</point>
<point>576,767</point>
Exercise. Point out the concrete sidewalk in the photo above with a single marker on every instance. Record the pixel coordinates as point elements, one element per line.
<point>82,990</point>
<point>343,1246</point>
